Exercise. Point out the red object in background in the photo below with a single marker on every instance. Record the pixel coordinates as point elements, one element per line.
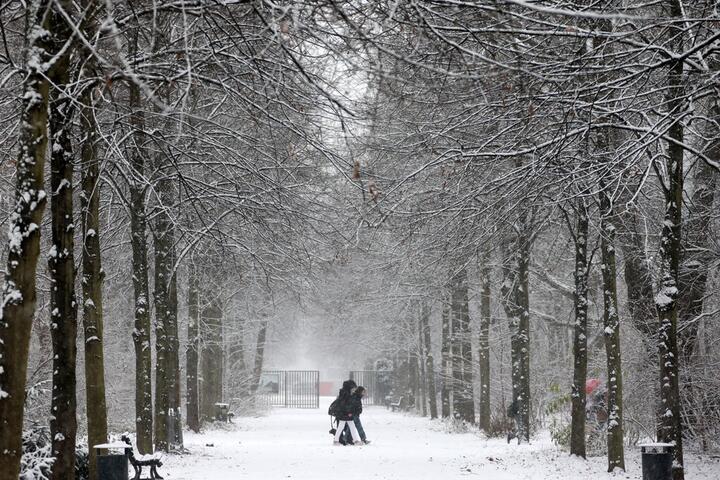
<point>327,389</point>
<point>591,384</point>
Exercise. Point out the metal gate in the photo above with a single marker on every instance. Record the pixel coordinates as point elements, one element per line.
<point>377,383</point>
<point>290,388</point>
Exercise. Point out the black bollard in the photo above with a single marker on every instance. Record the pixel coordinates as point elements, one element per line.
<point>657,459</point>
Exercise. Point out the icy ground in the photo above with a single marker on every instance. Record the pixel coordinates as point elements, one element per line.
<point>295,444</point>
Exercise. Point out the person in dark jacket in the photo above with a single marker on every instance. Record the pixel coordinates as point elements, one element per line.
<point>356,405</point>
<point>344,413</point>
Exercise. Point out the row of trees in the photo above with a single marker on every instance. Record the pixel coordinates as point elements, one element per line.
<point>500,133</point>
<point>189,134</point>
<point>500,189</point>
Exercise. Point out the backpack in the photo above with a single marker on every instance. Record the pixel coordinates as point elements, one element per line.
<point>333,408</point>
<point>338,407</point>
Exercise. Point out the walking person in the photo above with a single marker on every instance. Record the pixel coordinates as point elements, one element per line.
<point>343,411</point>
<point>356,402</point>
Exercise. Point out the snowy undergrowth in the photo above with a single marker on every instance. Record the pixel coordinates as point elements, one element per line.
<point>36,459</point>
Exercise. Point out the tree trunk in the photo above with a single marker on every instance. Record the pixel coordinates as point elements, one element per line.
<point>446,359</point>
<point>422,377</point>
<point>484,343</point>
<point>236,362</point>
<point>191,352</point>
<point>611,322</point>
<point>429,361</point>
<point>259,355</point>
<point>138,232</point>
<point>163,241</point>
<point>666,300</point>
<point>523,334</point>
<point>463,399</point>
<point>175,416</point>
<point>638,277</point>
<point>693,279</point>
<point>516,302</point>
<point>19,294</point>
<point>211,360</point>
<point>92,283</point>
<point>696,253</point>
<point>61,263</point>
<point>577,430</point>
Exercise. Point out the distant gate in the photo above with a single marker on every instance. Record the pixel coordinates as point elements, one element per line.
<point>377,384</point>
<point>290,388</point>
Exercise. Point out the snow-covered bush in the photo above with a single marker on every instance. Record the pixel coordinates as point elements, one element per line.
<point>82,462</point>
<point>499,426</point>
<point>557,409</point>
<point>36,459</point>
<point>455,425</point>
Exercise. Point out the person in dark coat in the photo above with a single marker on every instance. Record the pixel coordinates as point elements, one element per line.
<point>356,405</point>
<point>344,413</point>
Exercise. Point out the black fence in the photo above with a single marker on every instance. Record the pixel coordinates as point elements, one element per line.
<point>290,388</point>
<point>378,384</point>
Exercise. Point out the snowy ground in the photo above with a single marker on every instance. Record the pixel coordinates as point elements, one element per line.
<point>296,444</point>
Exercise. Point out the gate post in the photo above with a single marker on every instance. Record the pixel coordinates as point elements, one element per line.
<point>285,383</point>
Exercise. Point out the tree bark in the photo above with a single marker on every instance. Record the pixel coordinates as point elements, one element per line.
<point>211,359</point>
<point>61,260</point>
<point>638,278</point>
<point>484,343</point>
<point>413,377</point>
<point>19,292</point>
<point>446,359</point>
<point>693,279</point>
<point>163,241</point>
<point>93,274</point>
<point>463,399</point>
<point>259,355</point>
<point>696,255</point>
<point>138,233</point>
<point>422,377</point>
<point>429,361</point>
<point>240,385</point>
<point>92,283</point>
<point>523,333</point>
<point>192,352</point>
<point>611,323</point>
<point>666,300</point>
<point>516,302</point>
<point>175,416</point>
<point>580,235</point>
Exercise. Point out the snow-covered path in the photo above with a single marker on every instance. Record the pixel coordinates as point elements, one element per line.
<point>296,444</point>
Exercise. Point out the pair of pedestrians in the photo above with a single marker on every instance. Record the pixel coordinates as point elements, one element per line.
<point>346,410</point>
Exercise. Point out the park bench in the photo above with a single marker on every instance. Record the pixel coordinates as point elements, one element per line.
<point>399,405</point>
<point>152,461</point>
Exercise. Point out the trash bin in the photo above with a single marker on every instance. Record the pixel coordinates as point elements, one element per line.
<point>221,412</point>
<point>657,459</point>
<point>114,464</point>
